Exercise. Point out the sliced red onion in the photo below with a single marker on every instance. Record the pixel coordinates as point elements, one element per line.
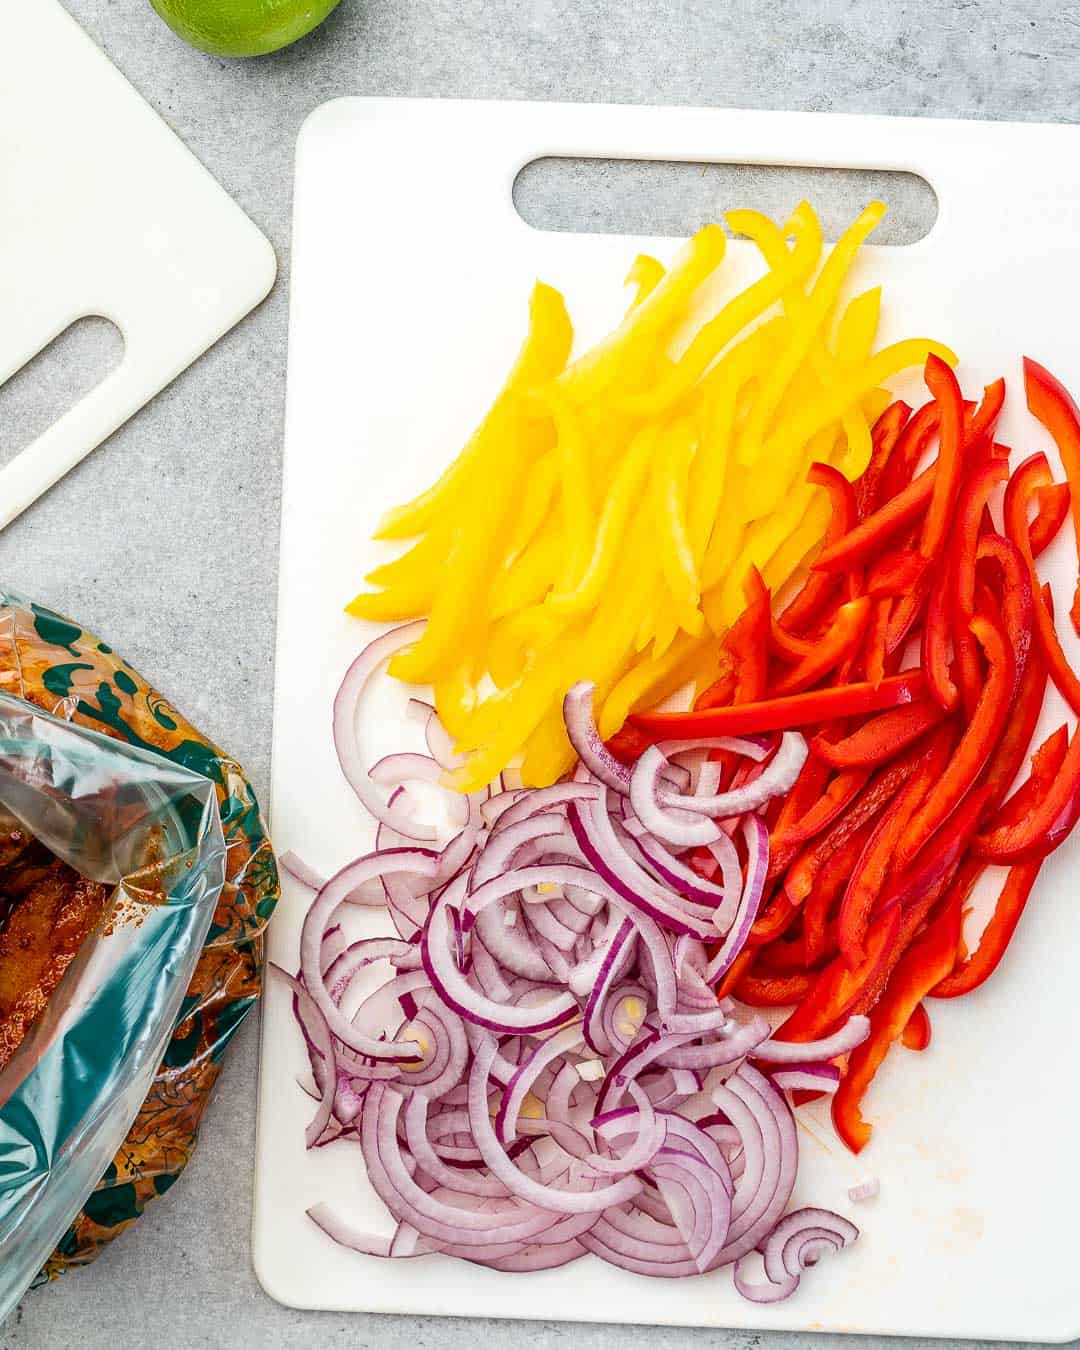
<point>757,869</point>
<point>301,871</point>
<point>349,753</point>
<point>674,826</point>
<point>854,1031</point>
<point>777,777</point>
<point>584,737</point>
<point>807,1077</point>
<point>869,1189</point>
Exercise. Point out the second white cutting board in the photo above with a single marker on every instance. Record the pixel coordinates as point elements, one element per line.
<point>411,276</point>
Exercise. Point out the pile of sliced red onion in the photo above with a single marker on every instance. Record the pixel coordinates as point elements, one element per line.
<point>547,1071</point>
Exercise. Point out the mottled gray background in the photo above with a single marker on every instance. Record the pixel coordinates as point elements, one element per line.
<point>165,540</point>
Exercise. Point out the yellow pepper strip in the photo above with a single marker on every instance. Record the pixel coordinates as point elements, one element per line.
<point>668,489</point>
<point>576,493</point>
<point>535,505</point>
<point>527,580</point>
<point>646,273</point>
<point>543,355</point>
<point>808,317</point>
<point>782,448</point>
<point>643,683</point>
<point>720,391</point>
<point>746,307</point>
<point>623,497</point>
<point>455,698</point>
<point>463,582</point>
<point>858,327</point>
<point>638,334</point>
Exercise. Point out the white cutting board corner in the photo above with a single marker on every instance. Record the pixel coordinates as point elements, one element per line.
<point>411,272</point>
<point>103,211</point>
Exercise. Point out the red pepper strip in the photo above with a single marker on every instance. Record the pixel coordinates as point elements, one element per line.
<point>868,538</point>
<point>786,645</point>
<point>937,641</point>
<point>779,915</point>
<point>942,383</point>
<point>925,964</point>
<point>978,966</point>
<point>717,695</point>
<point>884,437</point>
<point>996,936</point>
<point>627,744</point>
<point>1053,405</point>
<point>772,991</point>
<point>978,742</point>
<point>780,714</point>
<point>895,573</point>
<point>875,657</point>
<point>818,590</point>
<point>1008,758</point>
<point>840,640</point>
<point>980,425</point>
<point>1048,820</point>
<point>735,972</point>
<point>910,448</point>
<point>1033,474</point>
<point>932,868</point>
<point>870,872</point>
<point>747,643</point>
<point>843,790</point>
<point>916,1034</point>
<point>1014,588</point>
<point>820,902</point>
<point>786,956</point>
<point>974,496</point>
<point>870,803</point>
<point>1053,504</point>
<point>836,989</point>
<point>881,738</point>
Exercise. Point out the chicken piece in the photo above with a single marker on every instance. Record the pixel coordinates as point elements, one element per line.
<point>46,924</point>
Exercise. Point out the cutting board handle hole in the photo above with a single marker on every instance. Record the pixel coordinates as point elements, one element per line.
<point>665,197</point>
<point>62,373</point>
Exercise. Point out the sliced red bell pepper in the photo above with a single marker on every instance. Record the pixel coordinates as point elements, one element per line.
<point>747,643</point>
<point>840,640</point>
<point>818,590</point>
<point>974,495</point>
<point>819,934</point>
<point>943,384</point>
<point>778,916</point>
<point>870,873</point>
<point>836,989</point>
<point>1014,588</point>
<point>780,714</point>
<point>977,967</point>
<point>1027,479</point>
<point>996,936</point>
<point>1053,504</point>
<point>875,657</point>
<point>913,443</point>
<point>869,537</point>
<point>873,799</point>
<point>895,573</point>
<point>735,972</point>
<point>917,1032</point>
<point>784,843</point>
<point>981,423</point>
<point>1045,822</point>
<point>1053,405</point>
<point>718,694</point>
<point>916,888</point>
<point>627,744</point>
<point>880,738</point>
<point>928,960</point>
<point>884,437</point>
<point>762,990</point>
<point>977,744</point>
<point>937,639</point>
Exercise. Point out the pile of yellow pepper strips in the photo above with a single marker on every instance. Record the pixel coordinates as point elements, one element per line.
<point>602,520</point>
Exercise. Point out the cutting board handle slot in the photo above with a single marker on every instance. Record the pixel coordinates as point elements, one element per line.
<point>56,378</point>
<point>597,195</point>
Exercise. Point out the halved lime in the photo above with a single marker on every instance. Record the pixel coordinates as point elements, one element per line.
<point>242,27</point>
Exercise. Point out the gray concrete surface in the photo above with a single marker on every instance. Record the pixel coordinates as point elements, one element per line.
<point>165,540</point>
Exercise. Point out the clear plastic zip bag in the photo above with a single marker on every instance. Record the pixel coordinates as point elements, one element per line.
<point>151,830</point>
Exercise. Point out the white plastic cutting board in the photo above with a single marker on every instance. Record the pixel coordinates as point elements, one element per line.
<point>104,212</point>
<point>411,275</point>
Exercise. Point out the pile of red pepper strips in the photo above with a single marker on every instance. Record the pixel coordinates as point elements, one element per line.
<point>903,803</point>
